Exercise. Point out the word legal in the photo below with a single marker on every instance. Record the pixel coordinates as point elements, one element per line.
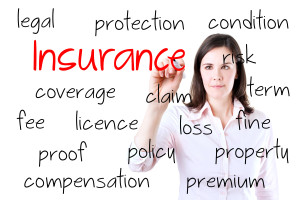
<point>36,22</point>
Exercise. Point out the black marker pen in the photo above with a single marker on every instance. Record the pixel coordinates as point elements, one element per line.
<point>178,66</point>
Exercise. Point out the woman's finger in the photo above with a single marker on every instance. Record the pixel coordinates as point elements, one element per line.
<point>166,62</point>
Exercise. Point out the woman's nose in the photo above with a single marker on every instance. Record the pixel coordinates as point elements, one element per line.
<point>217,76</point>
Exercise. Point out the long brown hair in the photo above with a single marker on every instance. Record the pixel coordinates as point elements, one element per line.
<point>197,91</point>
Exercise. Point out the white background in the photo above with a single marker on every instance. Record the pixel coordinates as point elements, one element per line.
<point>276,53</point>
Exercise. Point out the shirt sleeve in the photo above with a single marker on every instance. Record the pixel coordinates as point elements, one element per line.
<point>268,172</point>
<point>165,144</point>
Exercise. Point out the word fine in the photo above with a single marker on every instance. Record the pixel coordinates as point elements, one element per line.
<point>119,181</point>
<point>155,23</point>
<point>36,22</point>
<point>98,62</point>
<point>151,152</point>
<point>254,22</point>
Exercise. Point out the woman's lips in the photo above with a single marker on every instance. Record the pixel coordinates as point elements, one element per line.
<point>217,86</point>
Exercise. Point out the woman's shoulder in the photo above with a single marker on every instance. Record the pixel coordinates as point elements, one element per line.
<point>178,109</point>
<point>172,117</point>
<point>258,114</point>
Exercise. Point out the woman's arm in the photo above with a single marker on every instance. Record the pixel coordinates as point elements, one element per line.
<point>268,172</point>
<point>168,81</point>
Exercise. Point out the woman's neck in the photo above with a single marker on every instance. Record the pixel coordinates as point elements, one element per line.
<point>221,108</point>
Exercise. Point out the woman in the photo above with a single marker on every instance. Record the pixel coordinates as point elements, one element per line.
<point>218,154</point>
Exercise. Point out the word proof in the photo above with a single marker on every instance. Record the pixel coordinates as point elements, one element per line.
<point>62,155</point>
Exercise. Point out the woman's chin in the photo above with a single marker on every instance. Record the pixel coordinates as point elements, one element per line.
<point>219,96</point>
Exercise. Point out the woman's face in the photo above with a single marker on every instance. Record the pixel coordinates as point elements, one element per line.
<point>218,73</point>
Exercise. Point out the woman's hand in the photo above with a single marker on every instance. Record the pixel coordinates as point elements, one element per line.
<point>168,81</point>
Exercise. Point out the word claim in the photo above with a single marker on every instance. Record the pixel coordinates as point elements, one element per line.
<point>168,97</point>
<point>135,58</point>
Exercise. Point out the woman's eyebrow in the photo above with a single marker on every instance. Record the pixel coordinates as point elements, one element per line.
<point>226,63</point>
<point>207,64</point>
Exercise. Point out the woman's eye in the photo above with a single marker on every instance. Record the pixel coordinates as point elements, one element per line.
<point>225,67</point>
<point>207,67</point>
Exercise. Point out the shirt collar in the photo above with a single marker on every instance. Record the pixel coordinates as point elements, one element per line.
<point>237,106</point>
<point>196,114</point>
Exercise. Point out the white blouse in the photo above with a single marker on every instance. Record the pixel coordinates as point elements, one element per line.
<point>234,163</point>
